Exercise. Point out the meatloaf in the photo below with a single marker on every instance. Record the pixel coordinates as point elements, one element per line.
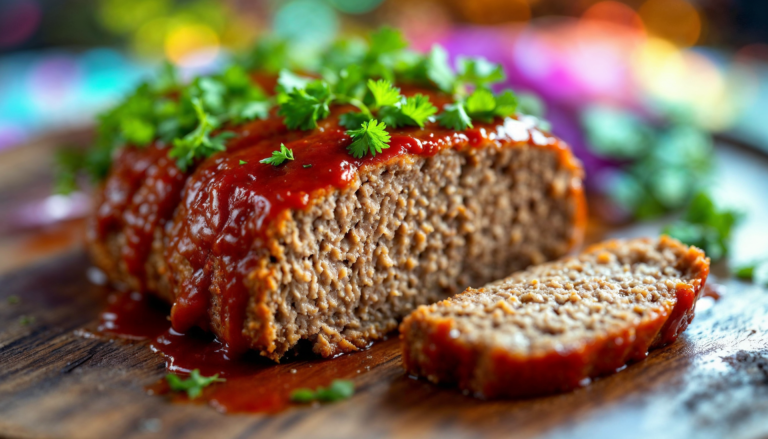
<point>327,247</point>
<point>550,328</point>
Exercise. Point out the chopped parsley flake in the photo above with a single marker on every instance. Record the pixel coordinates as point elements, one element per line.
<point>193,385</point>
<point>13,300</point>
<point>279,156</point>
<point>337,391</point>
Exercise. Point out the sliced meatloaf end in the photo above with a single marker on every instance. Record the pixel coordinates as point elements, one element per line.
<point>550,328</point>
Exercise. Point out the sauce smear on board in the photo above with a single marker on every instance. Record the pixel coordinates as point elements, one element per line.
<point>253,383</point>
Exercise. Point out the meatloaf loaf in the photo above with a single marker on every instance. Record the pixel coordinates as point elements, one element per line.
<point>551,327</point>
<point>327,247</point>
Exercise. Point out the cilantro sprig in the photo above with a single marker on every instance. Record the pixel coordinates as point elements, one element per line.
<point>337,391</point>
<point>193,385</point>
<point>279,156</point>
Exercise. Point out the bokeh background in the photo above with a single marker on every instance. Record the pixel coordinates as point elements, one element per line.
<point>641,89</point>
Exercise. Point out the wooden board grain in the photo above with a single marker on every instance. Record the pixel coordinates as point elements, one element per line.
<point>56,382</point>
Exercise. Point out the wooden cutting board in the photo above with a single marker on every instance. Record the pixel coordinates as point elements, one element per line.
<point>56,380</point>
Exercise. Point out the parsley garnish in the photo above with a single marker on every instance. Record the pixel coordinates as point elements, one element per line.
<point>199,143</point>
<point>13,300</point>
<point>454,116</point>
<point>26,320</point>
<point>307,166</point>
<point>303,107</point>
<point>279,156</point>
<point>187,116</point>
<point>756,271</point>
<point>371,137</point>
<point>337,391</point>
<point>706,226</point>
<point>193,385</point>
<point>384,93</point>
<point>243,162</point>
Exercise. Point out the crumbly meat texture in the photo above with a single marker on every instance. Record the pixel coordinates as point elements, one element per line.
<point>347,270</point>
<point>549,328</point>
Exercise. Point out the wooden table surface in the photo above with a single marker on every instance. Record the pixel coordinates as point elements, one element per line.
<point>56,381</point>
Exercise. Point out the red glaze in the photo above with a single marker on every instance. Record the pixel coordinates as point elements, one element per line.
<point>224,208</point>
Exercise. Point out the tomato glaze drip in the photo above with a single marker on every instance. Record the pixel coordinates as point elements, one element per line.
<point>253,383</point>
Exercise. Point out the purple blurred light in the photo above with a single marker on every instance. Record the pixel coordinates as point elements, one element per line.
<point>19,19</point>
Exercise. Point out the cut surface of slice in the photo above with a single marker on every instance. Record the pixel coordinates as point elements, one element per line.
<point>552,327</point>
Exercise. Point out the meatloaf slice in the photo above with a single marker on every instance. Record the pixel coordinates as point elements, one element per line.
<point>550,328</point>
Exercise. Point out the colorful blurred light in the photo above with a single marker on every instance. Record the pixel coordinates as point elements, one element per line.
<point>494,11</point>
<point>192,45</point>
<point>675,20</point>
<point>614,13</point>
<point>355,6</point>
<point>19,19</point>
<point>125,16</point>
<point>310,24</point>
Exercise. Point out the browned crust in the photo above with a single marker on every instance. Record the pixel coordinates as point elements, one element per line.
<point>429,351</point>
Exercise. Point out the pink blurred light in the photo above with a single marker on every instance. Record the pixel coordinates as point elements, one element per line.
<point>18,21</point>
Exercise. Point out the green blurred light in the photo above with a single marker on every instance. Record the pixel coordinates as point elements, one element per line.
<point>355,6</point>
<point>308,23</point>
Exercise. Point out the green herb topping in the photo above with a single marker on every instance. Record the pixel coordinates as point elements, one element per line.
<point>13,300</point>
<point>191,120</point>
<point>706,226</point>
<point>193,385</point>
<point>337,391</point>
<point>756,271</point>
<point>371,137</point>
<point>279,156</point>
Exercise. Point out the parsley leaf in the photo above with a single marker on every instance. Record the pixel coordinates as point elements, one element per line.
<point>756,271</point>
<point>198,143</point>
<point>454,116</point>
<point>305,106</point>
<point>279,156</point>
<point>387,40</point>
<point>479,71</point>
<point>337,391</point>
<point>438,71</point>
<point>417,109</point>
<point>371,137</point>
<point>706,226</point>
<point>481,105</point>
<point>353,119</point>
<point>288,81</point>
<point>506,104</point>
<point>193,385</point>
<point>384,93</point>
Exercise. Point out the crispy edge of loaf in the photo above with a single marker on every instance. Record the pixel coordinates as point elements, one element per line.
<point>448,360</point>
